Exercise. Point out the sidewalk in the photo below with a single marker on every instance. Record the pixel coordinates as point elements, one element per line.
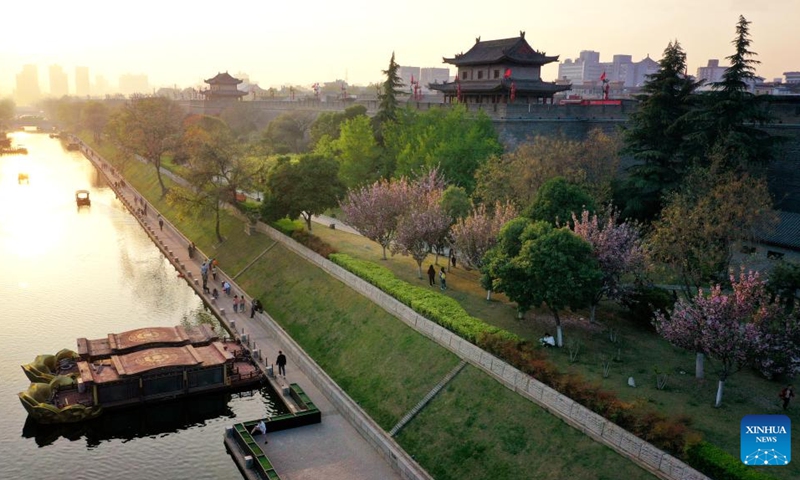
<point>332,449</point>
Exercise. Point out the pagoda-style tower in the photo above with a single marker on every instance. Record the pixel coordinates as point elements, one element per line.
<point>499,71</point>
<point>223,87</point>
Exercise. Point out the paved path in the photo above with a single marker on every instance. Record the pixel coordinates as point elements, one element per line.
<point>332,450</point>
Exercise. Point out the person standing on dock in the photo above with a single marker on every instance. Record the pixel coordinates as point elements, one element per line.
<point>281,362</point>
<point>160,223</point>
<point>261,428</point>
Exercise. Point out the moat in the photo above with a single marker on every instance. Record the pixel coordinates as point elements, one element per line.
<point>72,272</point>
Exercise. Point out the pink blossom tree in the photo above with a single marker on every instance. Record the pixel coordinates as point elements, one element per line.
<point>474,235</point>
<point>375,210</point>
<point>424,222</point>
<point>617,247</point>
<point>726,327</point>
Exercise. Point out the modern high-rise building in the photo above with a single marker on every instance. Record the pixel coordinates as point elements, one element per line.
<point>27,91</point>
<point>712,72</point>
<point>587,69</point>
<point>58,82</point>
<point>82,85</point>
<point>433,75</point>
<point>130,84</point>
<point>406,73</point>
<point>792,77</point>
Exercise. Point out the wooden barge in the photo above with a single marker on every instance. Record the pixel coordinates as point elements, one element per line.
<point>134,367</point>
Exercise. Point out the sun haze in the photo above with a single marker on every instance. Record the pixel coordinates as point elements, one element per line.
<point>300,43</point>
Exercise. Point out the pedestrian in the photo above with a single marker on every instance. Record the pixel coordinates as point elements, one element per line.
<point>281,362</point>
<point>191,250</point>
<point>214,271</point>
<point>144,208</point>
<point>431,275</point>
<point>235,303</point>
<point>443,279</point>
<point>253,308</point>
<point>453,257</point>
<point>204,269</point>
<point>205,284</point>
<point>226,287</point>
<point>160,223</point>
<point>260,428</point>
<point>215,294</point>
<point>786,394</point>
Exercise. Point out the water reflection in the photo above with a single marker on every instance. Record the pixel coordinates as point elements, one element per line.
<point>71,273</point>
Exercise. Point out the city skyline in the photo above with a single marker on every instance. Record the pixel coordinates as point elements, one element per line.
<point>276,45</point>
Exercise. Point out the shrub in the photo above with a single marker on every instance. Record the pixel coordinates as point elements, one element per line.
<point>720,465</point>
<point>645,301</point>
<point>439,308</point>
<point>672,435</point>
<point>313,242</point>
<point>288,227</point>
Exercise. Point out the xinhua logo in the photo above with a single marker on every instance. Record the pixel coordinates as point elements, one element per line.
<point>766,440</point>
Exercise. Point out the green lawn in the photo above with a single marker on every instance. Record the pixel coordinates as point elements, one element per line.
<point>476,428</point>
<point>641,352</point>
<point>387,367</point>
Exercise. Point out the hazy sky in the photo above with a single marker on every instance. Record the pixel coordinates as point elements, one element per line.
<point>307,41</point>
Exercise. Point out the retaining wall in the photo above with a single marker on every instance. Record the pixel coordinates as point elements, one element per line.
<point>604,431</point>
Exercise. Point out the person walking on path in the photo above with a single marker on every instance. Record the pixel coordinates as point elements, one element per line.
<point>431,275</point>
<point>443,279</point>
<point>226,287</point>
<point>281,362</point>
<point>214,271</point>
<point>787,394</point>
<point>191,250</point>
<point>235,303</point>
<point>160,223</point>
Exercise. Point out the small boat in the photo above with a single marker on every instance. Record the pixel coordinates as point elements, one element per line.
<point>138,366</point>
<point>82,198</point>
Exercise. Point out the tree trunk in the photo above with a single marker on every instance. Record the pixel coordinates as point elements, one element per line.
<point>384,252</point>
<point>488,295</point>
<point>699,371</point>
<point>216,225</point>
<point>592,310</point>
<point>720,385</point>
<point>307,218</point>
<point>419,270</point>
<point>164,188</point>
<point>559,332</point>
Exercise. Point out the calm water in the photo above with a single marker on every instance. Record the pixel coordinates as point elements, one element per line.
<point>67,273</point>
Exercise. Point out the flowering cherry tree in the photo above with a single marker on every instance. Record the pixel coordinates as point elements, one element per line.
<point>726,327</point>
<point>617,247</point>
<point>376,209</point>
<point>474,235</point>
<point>424,222</point>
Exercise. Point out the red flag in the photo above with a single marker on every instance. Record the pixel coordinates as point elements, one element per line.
<point>603,76</point>
<point>507,74</point>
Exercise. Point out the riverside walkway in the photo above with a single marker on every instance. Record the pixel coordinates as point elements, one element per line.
<point>333,449</point>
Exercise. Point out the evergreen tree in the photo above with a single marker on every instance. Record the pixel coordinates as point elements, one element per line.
<point>656,133</point>
<point>391,88</point>
<point>728,124</point>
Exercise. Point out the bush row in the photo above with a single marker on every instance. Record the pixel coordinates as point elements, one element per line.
<point>437,307</point>
<point>719,465</point>
<point>672,435</point>
<point>314,243</point>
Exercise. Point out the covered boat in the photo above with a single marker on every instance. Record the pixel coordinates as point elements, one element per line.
<point>143,365</point>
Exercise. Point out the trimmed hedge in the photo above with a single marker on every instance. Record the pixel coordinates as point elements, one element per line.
<point>439,308</point>
<point>720,465</point>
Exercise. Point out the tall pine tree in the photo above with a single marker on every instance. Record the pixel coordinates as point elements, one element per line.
<point>655,135</point>
<point>728,124</point>
<point>391,89</point>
